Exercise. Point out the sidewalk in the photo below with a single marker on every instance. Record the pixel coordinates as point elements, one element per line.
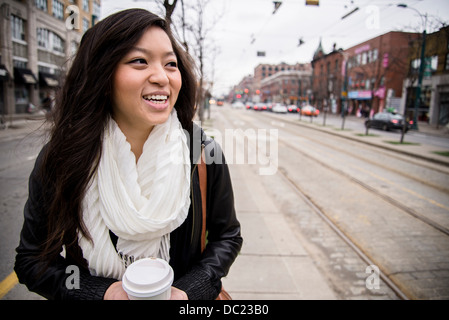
<point>377,138</point>
<point>18,127</point>
<point>273,264</point>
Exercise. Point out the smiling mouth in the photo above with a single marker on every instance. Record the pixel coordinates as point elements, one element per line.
<point>157,99</point>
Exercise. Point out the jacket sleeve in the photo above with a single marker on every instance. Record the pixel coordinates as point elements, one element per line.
<point>58,281</point>
<point>224,241</point>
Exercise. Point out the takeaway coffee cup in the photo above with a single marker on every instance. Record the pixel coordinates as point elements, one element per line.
<point>148,279</point>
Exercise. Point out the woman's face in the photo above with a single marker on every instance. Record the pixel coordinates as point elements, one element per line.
<point>146,83</point>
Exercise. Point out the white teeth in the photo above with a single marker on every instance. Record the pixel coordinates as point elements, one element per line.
<point>156,97</point>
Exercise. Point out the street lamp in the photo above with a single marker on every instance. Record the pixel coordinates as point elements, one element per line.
<point>344,105</point>
<point>421,67</point>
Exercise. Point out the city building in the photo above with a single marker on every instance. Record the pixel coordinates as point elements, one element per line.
<point>327,78</point>
<point>263,71</point>
<point>37,40</point>
<point>262,86</point>
<point>434,98</point>
<point>366,78</point>
<point>287,87</point>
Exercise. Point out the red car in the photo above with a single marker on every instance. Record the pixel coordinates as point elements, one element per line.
<point>310,111</point>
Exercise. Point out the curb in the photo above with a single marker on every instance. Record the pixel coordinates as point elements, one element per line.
<point>442,162</point>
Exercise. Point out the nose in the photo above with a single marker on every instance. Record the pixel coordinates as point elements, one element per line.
<point>158,76</point>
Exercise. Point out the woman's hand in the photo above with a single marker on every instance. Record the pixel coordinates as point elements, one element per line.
<point>177,294</point>
<point>116,292</point>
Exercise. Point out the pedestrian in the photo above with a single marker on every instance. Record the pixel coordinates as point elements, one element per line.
<point>117,180</point>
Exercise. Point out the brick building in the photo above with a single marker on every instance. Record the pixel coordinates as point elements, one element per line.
<point>372,71</point>
<point>37,40</point>
<point>287,87</point>
<point>327,78</point>
<point>267,75</point>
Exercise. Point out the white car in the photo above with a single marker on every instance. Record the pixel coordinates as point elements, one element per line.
<point>238,105</point>
<point>279,108</point>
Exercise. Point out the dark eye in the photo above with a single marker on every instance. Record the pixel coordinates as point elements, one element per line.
<point>139,61</point>
<point>172,64</point>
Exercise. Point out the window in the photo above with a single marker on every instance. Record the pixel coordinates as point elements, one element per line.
<point>43,38</point>
<point>434,63</point>
<point>17,28</point>
<point>367,84</point>
<point>364,58</point>
<point>73,48</point>
<point>85,24</point>
<point>58,43</point>
<point>446,67</point>
<point>41,4</point>
<point>86,5</point>
<point>20,64</point>
<point>375,54</point>
<point>58,10</point>
<point>49,40</point>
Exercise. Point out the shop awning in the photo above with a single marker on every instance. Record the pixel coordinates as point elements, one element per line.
<point>4,74</point>
<point>24,76</point>
<point>48,80</point>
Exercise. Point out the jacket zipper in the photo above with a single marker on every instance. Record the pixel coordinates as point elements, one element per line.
<point>195,168</point>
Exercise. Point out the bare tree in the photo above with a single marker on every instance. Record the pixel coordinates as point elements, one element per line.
<point>169,8</point>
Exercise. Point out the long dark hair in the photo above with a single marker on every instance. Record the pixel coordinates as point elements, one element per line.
<point>82,110</point>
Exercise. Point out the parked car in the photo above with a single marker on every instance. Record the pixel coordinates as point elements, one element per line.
<point>260,106</point>
<point>293,108</point>
<point>387,121</point>
<point>238,105</point>
<point>310,111</point>
<point>279,108</point>
<point>249,105</point>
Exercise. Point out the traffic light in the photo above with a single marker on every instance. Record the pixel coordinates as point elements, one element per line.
<point>312,2</point>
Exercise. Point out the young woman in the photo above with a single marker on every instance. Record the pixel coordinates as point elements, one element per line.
<point>118,179</point>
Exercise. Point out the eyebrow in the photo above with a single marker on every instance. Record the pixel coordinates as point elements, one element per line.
<point>147,52</point>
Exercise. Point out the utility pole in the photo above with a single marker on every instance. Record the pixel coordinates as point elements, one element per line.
<point>421,67</point>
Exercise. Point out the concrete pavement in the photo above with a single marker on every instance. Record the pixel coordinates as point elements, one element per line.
<point>273,264</point>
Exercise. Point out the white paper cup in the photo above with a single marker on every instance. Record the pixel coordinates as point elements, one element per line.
<point>148,279</point>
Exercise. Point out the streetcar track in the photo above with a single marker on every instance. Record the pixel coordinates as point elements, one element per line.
<point>341,234</point>
<point>380,165</point>
<point>368,160</point>
<point>346,238</point>
<point>371,189</point>
<point>374,191</point>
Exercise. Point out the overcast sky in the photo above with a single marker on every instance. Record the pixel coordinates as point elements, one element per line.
<point>241,28</point>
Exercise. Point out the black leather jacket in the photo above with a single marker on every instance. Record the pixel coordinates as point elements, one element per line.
<point>198,274</point>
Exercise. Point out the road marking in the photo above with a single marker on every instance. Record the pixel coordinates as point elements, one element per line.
<point>7,284</point>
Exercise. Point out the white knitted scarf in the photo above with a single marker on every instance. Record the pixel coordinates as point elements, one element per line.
<point>140,203</point>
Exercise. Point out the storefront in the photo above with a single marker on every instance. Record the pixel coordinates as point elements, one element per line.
<point>359,102</point>
<point>48,84</point>
<point>25,84</point>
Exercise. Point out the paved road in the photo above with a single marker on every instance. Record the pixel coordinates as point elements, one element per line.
<point>393,207</point>
<point>19,147</point>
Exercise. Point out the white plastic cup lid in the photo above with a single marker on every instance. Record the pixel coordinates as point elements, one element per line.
<point>147,277</point>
